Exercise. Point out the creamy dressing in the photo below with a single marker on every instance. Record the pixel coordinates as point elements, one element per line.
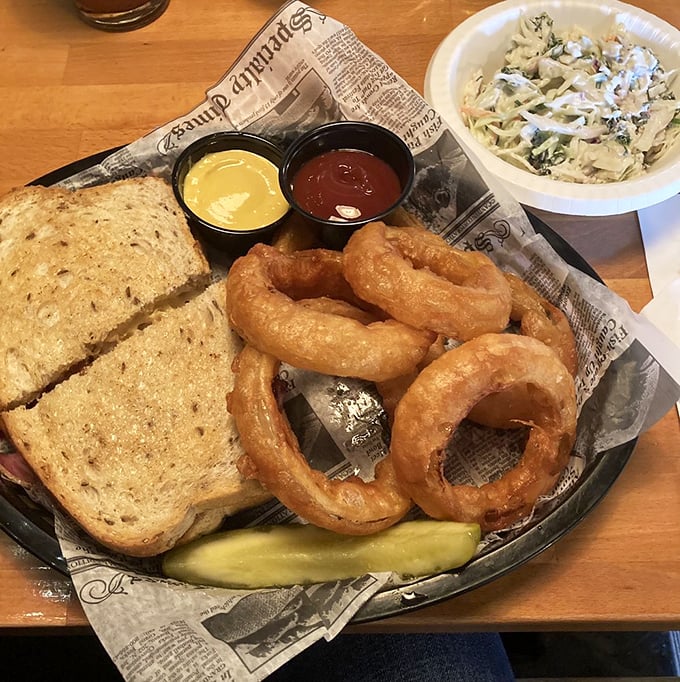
<point>574,107</point>
<point>235,189</point>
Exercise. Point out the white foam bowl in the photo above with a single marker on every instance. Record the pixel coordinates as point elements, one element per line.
<point>481,42</point>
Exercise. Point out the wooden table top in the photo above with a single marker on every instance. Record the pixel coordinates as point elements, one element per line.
<point>69,90</point>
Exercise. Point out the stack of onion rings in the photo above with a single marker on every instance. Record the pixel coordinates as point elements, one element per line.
<point>381,311</point>
<point>262,288</point>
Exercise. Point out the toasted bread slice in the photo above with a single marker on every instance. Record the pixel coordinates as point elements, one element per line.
<point>139,447</point>
<point>77,267</point>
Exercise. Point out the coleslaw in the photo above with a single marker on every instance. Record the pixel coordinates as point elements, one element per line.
<point>573,107</point>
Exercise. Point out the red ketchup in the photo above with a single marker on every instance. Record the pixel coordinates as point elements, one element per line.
<point>346,184</point>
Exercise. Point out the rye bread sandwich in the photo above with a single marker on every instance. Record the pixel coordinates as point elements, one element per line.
<point>77,269</point>
<point>138,447</point>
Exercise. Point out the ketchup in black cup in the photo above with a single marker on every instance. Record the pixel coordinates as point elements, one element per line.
<point>345,174</point>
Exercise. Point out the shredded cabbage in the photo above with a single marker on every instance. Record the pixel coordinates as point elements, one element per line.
<point>575,108</point>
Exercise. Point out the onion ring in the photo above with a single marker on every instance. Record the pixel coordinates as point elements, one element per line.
<point>400,217</point>
<point>296,234</point>
<point>421,280</point>
<point>334,307</point>
<point>262,289</point>
<point>444,393</point>
<point>351,506</point>
<point>393,390</point>
<point>390,390</point>
<point>540,320</point>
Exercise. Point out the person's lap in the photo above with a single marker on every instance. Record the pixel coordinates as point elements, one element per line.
<point>470,657</point>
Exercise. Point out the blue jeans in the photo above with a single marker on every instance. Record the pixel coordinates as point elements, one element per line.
<point>474,657</point>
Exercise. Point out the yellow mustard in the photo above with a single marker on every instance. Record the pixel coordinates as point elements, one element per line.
<point>235,189</point>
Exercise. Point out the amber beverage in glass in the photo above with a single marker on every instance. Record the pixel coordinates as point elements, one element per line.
<point>120,15</point>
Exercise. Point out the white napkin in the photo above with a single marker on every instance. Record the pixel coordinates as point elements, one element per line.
<point>660,228</point>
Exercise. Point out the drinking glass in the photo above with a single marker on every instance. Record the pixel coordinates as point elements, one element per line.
<point>120,15</point>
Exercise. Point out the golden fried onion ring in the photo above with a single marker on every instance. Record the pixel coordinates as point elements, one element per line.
<point>421,280</point>
<point>442,396</point>
<point>262,292</point>
<point>392,390</point>
<point>296,234</point>
<point>351,506</point>
<point>540,320</point>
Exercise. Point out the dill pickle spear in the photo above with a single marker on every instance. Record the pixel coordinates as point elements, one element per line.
<point>278,556</point>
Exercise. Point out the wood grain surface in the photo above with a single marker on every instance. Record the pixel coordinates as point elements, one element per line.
<point>68,90</point>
